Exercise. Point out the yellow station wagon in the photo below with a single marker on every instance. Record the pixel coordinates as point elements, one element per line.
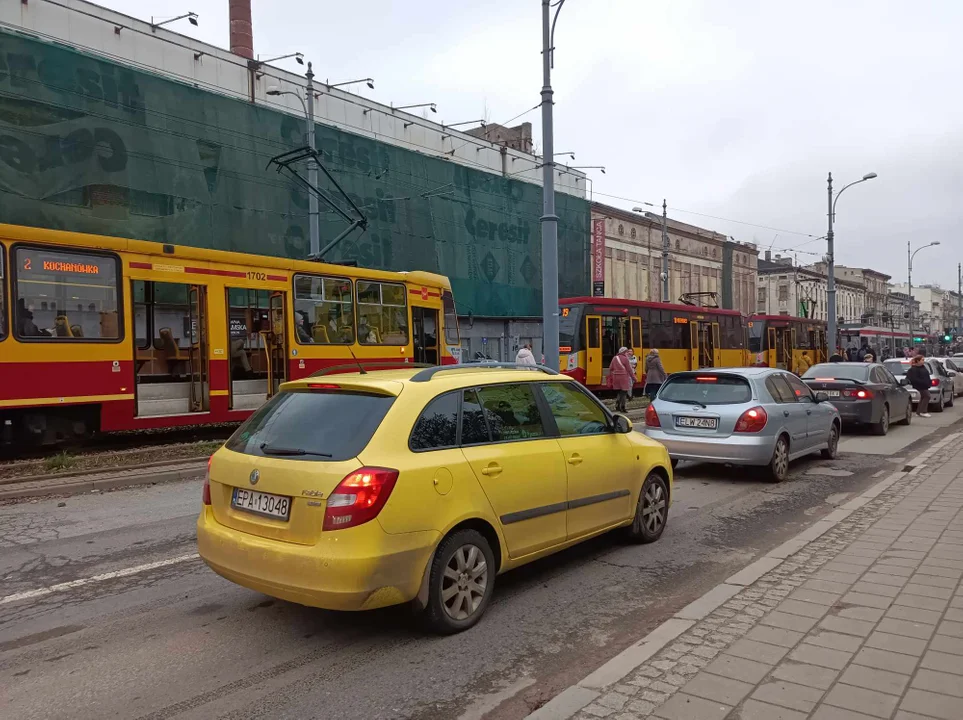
<point>358,491</point>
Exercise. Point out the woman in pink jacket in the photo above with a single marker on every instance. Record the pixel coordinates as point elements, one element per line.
<point>621,378</point>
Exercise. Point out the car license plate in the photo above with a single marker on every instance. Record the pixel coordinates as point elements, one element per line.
<point>832,393</point>
<point>259,503</point>
<point>697,422</point>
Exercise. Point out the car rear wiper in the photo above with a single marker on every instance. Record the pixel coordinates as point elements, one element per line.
<point>274,450</point>
<point>696,402</point>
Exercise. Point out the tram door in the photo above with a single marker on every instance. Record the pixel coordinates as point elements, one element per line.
<point>779,346</point>
<point>818,344</point>
<point>424,323</point>
<point>197,356</point>
<point>593,350</point>
<point>274,337</point>
<point>635,340</point>
<point>703,345</point>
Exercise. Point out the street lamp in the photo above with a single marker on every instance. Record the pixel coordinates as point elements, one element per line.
<point>831,260</point>
<point>665,247</point>
<point>549,220</point>
<point>191,18</point>
<point>367,81</point>
<point>314,230</point>
<point>909,275</point>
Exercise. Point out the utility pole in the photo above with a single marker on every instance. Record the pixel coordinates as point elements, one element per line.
<point>830,276</point>
<point>665,253</point>
<point>909,284</point>
<point>959,299</point>
<point>313,228</point>
<point>549,221</point>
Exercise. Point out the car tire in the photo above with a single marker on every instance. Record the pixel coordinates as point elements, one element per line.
<point>939,405</point>
<point>882,427</point>
<point>908,420</point>
<point>651,511</point>
<point>457,564</point>
<point>778,469</point>
<point>832,446</point>
<point>951,401</point>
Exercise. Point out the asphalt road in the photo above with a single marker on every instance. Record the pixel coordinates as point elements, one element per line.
<point>173,640</point>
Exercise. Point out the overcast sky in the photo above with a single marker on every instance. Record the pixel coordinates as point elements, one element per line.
<point>735,109</point>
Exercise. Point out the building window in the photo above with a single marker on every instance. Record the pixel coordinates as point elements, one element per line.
<point>783,293</point>
<point>69,296</point>
<point>382,313</point>
<point>761,295</point>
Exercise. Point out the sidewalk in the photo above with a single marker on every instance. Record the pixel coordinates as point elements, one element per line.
<point>860,617</point>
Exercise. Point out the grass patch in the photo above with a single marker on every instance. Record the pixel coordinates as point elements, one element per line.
<point>61,461</point>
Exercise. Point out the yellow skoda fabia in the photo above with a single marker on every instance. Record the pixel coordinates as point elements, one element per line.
<point>358,491</point>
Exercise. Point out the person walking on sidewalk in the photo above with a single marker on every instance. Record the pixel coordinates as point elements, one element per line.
<point>525,355</point>
<point>919,377</point>
<point>621,378</point>
<point>654,373</point>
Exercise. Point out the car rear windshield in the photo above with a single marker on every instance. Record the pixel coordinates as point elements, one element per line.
<point>897,367</point>
<point>325,425</point>
<point>706,389</point>
<point>836,370</point>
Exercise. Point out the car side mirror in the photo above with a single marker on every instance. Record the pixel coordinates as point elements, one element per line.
<point>822,397</point>
<point>622,424</point>
<point>951,373</point>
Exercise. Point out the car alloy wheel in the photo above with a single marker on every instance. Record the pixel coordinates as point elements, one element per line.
<point>882,427</point>
<point>779,465</point>
<point>464,582</point>
<point>832,447</point>
<point>651,511</point>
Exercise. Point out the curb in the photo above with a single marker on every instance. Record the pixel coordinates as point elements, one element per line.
<point>567,703</point>
<point>103,481</point>
<point>18,480</point>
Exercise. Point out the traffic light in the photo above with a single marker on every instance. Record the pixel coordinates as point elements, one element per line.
<point>947,338</point>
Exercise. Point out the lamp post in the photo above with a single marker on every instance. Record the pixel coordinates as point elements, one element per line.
<point>665,248</point>
<point>831,261</point>
<point>314,231</point>
<point>909,275</point>
<point>549,220</point>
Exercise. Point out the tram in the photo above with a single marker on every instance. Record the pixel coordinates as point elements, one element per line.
<point>591,331</point>
<point>780,340</point>
<point>102,334</point>
<point>882,340</point>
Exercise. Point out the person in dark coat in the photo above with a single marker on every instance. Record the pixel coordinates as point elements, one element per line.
<point>919,377</point>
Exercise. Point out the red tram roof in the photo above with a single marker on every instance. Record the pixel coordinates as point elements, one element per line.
<point>787,318</point>
<point>618,302</point>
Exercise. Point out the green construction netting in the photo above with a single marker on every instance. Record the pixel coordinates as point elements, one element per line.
<point>93,146</point>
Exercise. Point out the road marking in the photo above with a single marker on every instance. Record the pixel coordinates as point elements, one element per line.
<point>59,587</point>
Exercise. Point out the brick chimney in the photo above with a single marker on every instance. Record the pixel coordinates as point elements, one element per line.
<point>242,33</point>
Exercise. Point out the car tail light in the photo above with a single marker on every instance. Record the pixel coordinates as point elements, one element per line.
<point>935,382</point>
<point>652,417</point>
<point>359,497</point>
<point>752,420</point>
<point>860,394</point>
<point>206,493</point>
<point>323,386</point>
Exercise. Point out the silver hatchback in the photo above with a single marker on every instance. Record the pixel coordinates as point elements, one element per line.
<point>746,416</point>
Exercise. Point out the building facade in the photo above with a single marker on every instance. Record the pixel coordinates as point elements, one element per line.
<point>787,289</point>
<point>115,127</point>
<point>700,261</point>
<point>900,307</point>
<point>875,288</point>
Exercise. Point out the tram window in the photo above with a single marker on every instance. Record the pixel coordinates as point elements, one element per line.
<point>667,333</point>
<point>3,297</point>
<point>757,336</point>
<point>382,313</point>
<point>323,310</point>
<point>648,317</point>
<point>66,295</point>
<point>451,318</point>
<point>731,331</point>
<point>802,338</point>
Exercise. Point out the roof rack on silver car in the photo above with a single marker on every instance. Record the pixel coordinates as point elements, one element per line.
<point>429,373</point>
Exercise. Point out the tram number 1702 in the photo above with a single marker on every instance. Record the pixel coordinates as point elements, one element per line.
<point>256,276</point>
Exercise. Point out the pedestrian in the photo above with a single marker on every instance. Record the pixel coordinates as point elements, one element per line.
<point>634,361</point>
<point>654,373</point>
<point>805,362</point>
<point>836,357</point>
<point>620,378</point>
<point>851,352</point>
<point>861,353</point>
<point>525,355</point>
<point>868,357</point>
<point>919,377</point>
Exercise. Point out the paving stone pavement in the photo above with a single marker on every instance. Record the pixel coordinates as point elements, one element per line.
<point>865,621</point>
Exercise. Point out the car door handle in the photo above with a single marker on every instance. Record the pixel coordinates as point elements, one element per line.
<point>786,413</point>
<point>809,412</point>
<point>576,459</point>
<point>492,470</point>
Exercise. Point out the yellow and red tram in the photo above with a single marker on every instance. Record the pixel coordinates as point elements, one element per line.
<point>781,340</point>
<point>109,334</point>
<point>591,331</point>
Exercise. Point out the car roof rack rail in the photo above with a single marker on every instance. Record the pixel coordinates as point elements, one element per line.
<point>369,365</point>
<point>428,374</point>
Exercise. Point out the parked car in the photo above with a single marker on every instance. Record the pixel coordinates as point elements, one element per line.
<point>358,491</point>
<point>941,387</point>
<point>954,369</point>
<point>864,393</point>
<point>746,416</point>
